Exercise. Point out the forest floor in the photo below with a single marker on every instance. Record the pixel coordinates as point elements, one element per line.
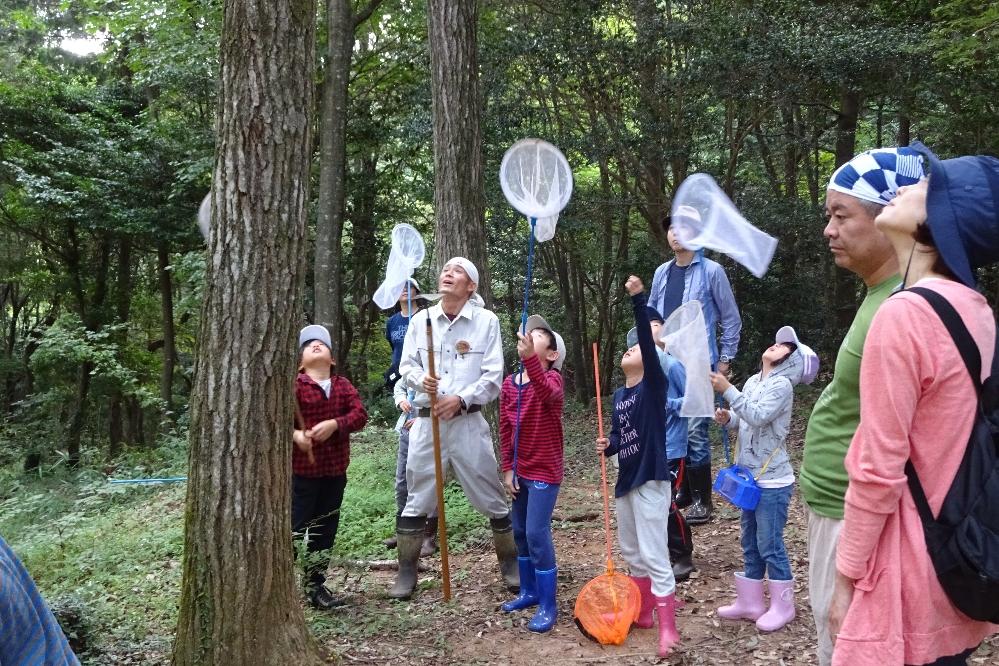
<point>471,629</point>
<point>111,554</point>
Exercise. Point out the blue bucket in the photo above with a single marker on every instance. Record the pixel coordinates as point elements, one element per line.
<point>737,485</point>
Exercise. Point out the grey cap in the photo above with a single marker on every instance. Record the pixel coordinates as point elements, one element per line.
<point>315,332</point>
<point>632,338</point>
<point>537,321</point>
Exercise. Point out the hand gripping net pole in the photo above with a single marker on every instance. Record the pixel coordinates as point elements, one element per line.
<point>608,604</point>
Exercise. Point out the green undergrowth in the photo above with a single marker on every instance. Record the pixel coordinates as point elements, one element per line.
<point>115,551</point>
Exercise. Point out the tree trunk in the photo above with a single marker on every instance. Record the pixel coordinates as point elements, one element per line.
<point>123,293</point>
<point>459,208</point>
<point>238,602</point>
<point>845,292</point>
<point>328,267</point>
<point>169,340</point>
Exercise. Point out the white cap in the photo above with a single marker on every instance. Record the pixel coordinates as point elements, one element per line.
<point>537,321</point>
<point>315,332</point>
<point>810,360</point>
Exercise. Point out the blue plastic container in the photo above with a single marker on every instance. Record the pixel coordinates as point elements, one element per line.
<point>737,485</point>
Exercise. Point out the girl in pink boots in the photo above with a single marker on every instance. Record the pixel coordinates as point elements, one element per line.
<point>762,412</point>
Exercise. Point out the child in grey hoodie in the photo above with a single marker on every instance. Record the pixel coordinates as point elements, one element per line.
<point>762,414</point>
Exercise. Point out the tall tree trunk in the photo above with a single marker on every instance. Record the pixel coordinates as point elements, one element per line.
<point>92,317</point>
<point>328,267</point>
<point>169,340</point>
<point>845,293</point>
<point>367,273</point>
<point>459,208</point>
<point>238,602</point>
<point>123,295</point>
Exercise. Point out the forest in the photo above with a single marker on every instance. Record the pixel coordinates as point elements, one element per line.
<point>111,131</point>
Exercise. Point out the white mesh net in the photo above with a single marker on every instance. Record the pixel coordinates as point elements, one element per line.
<point>685,335</point>
<point>704,217</point>
<point>407,253</point>
<point>205,216</point>
<point>537,181</point>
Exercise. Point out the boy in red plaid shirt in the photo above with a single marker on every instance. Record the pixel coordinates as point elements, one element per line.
<point>534,477</point>
<point>330,409</point>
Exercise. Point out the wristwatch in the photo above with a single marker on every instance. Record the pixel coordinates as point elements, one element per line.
<point>464,407</point>
<point>725,359</point>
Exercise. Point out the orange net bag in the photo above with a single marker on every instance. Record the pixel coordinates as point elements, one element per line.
<point>608,604</point>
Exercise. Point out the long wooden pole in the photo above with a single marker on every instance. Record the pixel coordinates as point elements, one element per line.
<point>438,467</point>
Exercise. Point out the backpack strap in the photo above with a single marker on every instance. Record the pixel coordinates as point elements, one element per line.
<point>972,361</point>
<point>958,332</point>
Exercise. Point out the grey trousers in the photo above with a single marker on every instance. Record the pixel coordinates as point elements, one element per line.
<point>467,447</point>
<point>401,488</point>
<point>823,535</point>
<point>642,516</point>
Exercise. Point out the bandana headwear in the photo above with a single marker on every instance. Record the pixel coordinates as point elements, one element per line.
<point>876,175</point>
<point>468,266</point>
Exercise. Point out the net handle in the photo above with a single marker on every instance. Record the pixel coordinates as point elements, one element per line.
<point>603,460</point>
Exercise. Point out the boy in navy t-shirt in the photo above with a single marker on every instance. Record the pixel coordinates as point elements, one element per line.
<point>642,492</point>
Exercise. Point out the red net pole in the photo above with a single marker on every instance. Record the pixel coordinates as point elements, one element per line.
<point>603,459</point>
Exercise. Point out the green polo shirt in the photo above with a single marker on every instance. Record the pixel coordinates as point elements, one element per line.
<point>836,415</point>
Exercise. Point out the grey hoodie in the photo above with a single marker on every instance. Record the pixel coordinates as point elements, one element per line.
<point>762,412</point>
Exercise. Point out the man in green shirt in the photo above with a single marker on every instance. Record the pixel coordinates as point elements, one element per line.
<point>857,193</point>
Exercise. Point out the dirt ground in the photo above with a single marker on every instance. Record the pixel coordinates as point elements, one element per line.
<point>472,630</point>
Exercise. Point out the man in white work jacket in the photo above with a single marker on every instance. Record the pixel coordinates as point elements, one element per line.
<point>469,373</point>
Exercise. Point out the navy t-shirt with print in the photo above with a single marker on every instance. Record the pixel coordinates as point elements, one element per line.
<point>638,428</point>
<point>395,333</point>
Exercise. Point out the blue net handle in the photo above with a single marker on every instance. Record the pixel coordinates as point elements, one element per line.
<point>523,327</point>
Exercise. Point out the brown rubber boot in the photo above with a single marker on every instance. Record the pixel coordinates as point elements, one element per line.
<point>506,552</point>
<point>429,546</point>
<point>409,537</point>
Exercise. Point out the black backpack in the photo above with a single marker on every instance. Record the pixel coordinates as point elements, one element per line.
<point>963,541</point>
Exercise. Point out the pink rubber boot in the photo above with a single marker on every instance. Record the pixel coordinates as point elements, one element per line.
<point>669,637</point>
<point>748,604</point>
<point>644,620</point>
<point>781,606</point>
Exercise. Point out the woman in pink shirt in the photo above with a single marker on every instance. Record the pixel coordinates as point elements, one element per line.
<point>916,403</point>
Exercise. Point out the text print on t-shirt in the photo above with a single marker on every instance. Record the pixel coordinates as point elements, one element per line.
<point>629,435</point>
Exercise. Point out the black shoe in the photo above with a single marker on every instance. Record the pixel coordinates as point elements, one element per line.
<point>682,567</point>
<point>324,600</point>
<point>699,512</point>
<point>700,488</point>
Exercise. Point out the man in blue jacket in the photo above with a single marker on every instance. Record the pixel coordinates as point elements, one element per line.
<point>687,277</point>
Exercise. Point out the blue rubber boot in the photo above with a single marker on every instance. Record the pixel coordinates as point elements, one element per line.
<point>528,588</point>
<point>544,618</point>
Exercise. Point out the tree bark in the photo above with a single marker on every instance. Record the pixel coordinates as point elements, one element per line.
<point>459,207</point>
<point>328,266</point>
<point>123,295</point>
<point>845,289</point>
<point>238,601</point>
<point>169,338</point>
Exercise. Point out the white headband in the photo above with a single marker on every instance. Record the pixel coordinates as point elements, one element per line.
<point>467,266</point>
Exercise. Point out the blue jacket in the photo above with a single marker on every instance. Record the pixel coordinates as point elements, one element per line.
<point>29,633</point>
<point>706,282</point>
<point>676,425</point>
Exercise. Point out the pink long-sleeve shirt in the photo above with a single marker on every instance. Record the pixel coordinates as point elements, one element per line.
<point>916,401</point>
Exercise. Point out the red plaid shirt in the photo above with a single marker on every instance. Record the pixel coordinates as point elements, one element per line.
<point>539,447</point>
<point>344,405</point>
